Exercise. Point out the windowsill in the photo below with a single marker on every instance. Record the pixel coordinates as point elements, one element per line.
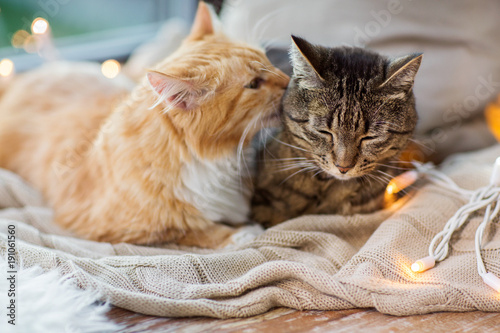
<point>111,44</point>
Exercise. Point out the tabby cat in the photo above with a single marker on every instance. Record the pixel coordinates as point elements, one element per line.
<point>347,115</point>
<point>153,165</point>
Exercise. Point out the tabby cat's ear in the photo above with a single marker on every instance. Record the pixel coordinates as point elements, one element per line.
<point>202,24</point>
<point>306,63</point>
<point>401,72</point>
<point>175,92</point>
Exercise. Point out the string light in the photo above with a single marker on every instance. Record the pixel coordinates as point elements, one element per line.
<point>487,198</point>
<point>6,67</point>
<point>110,68</point>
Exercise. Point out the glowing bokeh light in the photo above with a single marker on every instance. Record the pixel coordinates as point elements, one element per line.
<point>6,67</point>
<point>110,68</point>
<point>30,44</point>
<point>39,26</point>
<point>492,114</point>
<point>19,37</point>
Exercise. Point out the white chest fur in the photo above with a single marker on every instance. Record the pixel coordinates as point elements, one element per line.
<point>216,189</point>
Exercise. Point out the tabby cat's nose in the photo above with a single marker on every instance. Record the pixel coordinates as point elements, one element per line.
<point>343,169</point>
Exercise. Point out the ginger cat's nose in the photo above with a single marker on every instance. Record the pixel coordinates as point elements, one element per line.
<point>283,79</point>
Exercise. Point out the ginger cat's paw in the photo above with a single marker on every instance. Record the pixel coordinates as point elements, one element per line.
<point>245,235</point>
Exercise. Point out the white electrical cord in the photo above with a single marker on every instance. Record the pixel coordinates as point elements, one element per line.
<point>487,197</point>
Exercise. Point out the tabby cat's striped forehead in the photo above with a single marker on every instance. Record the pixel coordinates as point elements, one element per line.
<point>351,65</point>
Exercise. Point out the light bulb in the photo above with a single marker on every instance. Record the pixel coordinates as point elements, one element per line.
<point>423,264</point>
<point>402,181</point>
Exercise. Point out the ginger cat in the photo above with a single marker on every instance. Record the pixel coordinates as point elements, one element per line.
<point>157,164</point>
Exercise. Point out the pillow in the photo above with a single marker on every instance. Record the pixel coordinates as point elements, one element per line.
<point>460,72</point>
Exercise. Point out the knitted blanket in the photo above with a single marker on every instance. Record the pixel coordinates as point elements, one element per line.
<point>326,262</point>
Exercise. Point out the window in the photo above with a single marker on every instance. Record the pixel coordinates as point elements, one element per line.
<point>82,29</point>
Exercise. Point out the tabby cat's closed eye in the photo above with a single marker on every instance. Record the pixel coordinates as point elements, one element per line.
<point>327,134</point>
<point>368,138</point>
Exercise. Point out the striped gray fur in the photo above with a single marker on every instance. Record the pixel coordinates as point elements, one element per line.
<point>347,115</point>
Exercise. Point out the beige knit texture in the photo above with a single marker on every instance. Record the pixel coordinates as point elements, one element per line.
<point>309,263</point>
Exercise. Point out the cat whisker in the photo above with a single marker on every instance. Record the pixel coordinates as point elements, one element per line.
<point>276,109</point>
<point>241,160</point>
<point>300,171</point>
<point>292,166</point>
<point>257,36</point>
<point>385,179</point>
<point>295,163</point>
<point>406,162</point>
<point>366,179</point>
<point>263,144</point>
<point>318,172</point>
<point>407,189</point>
<point>269,42</point>
<point>386,174</point>
<point>265,133</point>
<point>287,144</point>
<point>379,179</point>
<point>289,159</point>
<point>267,19</point>
<point>266,68</point>
<point>419,143</point>
<point>373,177</point>
<point>290,145</point>
<point>393,167</point>
<point>285,163</point>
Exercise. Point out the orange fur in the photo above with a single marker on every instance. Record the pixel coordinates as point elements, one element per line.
<point>111,165</point>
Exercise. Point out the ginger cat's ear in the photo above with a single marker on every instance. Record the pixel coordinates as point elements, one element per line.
<point>202,24</point>
<point>175,92</point>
